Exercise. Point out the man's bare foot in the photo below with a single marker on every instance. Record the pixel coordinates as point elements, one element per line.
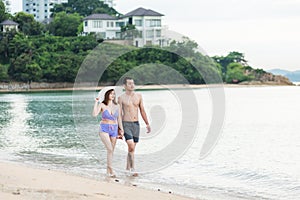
<point>133,173</point>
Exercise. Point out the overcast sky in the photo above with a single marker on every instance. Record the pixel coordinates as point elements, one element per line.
<point>266,31</point>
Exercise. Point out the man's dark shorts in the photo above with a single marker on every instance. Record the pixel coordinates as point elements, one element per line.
<point>131,131</point>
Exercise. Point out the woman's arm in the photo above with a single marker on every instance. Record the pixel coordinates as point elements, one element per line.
<point>120,124</point>
<point>97,108</point>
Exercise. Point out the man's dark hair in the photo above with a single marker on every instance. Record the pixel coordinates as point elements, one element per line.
<point>125,80</point>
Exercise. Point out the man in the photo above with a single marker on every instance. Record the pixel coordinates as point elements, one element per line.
<point>130,103</point>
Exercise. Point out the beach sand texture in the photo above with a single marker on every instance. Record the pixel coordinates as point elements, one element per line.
<point>22,182</point>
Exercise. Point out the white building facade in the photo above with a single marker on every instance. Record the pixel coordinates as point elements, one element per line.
<point>40,9</point>
<point>7,4</point>
<point>149,29</point>
<point>148,24</point>
<point>104,25</point>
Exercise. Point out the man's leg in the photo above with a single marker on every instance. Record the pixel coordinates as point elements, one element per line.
<point>130,157</point>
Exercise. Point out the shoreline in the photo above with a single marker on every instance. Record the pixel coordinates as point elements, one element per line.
<point>19,181</point>
<point>144,87</point>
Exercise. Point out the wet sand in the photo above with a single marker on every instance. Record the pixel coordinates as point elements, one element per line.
<point>22,182</point>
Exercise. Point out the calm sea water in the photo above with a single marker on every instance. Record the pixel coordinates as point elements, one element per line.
<point>256,157</point>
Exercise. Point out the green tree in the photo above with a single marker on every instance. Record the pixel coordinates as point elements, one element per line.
<point>236,73</point>
<point>232,57</point>
<point>65,24</point>
<point>186,48</point>
<point>20,44</point>
<point>129,32</point>
<point>2,12</point>
<point>84,7</point>
<point>3,73</point>
<point>5,41</point>
<point>24,69</point>
<point>28,25</point>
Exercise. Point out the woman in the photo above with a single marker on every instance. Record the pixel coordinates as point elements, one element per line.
<point>110,123</point>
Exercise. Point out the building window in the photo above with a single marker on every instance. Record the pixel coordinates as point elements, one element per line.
<point>111,24</point>
<point>153,23</point>
<point>102,35</point>
<point>138,22</point>
<point>46,17</point>
<point>120,24</point>
<point>97,24</point>
<point>107,24</point>
<point>85,23</point>
<point>158,33</point>
<point>149,34</point>
<point>46,10</point>
<point>118,35</point>
<point>45,4</point>
<point>140,34</point>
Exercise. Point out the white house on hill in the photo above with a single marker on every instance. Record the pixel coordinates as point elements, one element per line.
<point>147,22</point>
<point>103,24</point>
<point>9,25</point>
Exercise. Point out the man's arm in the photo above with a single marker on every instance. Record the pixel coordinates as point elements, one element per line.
<point>144,115</point>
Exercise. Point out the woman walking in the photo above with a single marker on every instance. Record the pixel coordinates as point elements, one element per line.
<point>110,125</point>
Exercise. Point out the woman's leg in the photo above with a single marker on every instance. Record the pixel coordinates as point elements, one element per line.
<point>113,141</point>
<point>110,148</point>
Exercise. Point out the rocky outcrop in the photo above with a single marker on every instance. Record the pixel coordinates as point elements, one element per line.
<point>268,79</point>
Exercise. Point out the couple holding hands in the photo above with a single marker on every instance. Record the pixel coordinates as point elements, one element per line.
<point>121,119</point>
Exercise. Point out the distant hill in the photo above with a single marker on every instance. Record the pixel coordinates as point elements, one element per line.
<point>294,76</point>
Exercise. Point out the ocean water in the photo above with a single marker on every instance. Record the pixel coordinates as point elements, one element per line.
<point>257,155</point>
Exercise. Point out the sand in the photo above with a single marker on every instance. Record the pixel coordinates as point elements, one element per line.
<point>22,182</point>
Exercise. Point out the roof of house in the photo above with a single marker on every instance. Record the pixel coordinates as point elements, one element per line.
<point>142,12</point>
<point>100,16</point>
<point>9,22</point>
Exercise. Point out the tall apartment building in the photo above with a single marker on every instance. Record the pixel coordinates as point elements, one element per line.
<point>40,9</point>
<point>7,4</point>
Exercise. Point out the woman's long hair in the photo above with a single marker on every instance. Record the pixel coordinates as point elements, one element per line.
<point>106,97</point>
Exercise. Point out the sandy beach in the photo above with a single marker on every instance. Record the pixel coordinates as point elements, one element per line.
<point>22,182</point>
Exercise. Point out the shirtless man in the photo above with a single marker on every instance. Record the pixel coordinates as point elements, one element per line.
<point>130,102</point>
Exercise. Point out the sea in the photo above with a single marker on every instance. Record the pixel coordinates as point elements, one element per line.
<point>250,136</point>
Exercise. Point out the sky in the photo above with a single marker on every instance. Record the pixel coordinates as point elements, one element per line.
<point>266,31</point>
